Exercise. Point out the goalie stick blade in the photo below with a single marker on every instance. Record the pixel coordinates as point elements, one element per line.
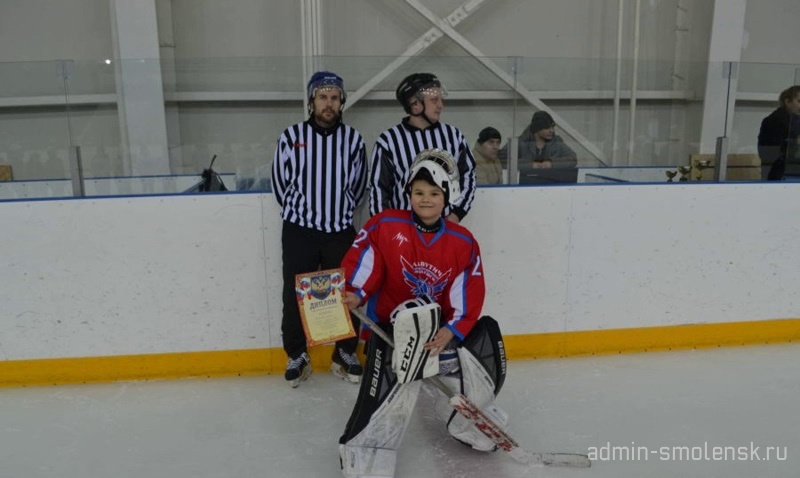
<point>503,440</point>
<point>573,460</point>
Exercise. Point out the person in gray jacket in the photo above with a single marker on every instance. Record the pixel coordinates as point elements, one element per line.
<point>540,147</point>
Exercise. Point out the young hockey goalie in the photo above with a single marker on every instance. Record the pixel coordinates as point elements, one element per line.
<point>421,280</point>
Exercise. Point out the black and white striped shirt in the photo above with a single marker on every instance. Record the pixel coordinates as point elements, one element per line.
<point>319,176</point>
<point>396,149</point>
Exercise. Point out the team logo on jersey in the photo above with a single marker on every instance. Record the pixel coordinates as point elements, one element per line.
<point>424,279</point>
<point>400,238</point>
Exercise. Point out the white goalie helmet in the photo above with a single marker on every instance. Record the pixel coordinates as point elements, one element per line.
<point>442,168</point>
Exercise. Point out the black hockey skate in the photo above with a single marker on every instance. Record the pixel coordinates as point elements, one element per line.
<point>297,369</point>
<point>346,366</point>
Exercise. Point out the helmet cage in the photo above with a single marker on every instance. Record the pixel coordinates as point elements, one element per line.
<point>431,90</point>
<point>442,168</point>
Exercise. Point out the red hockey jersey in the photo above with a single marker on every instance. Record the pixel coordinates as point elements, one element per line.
<point>392,261</point>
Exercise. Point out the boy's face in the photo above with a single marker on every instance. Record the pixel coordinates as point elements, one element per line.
<point>427,201</point>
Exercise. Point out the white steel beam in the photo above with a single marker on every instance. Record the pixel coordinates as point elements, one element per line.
<point>445,27</point>
<point>418,46</point>
<point>140,89</point>
<point>311,35</point>
<point>637,20</point>
<point>725,52</point>
<point>617,85</point>
<point>680,75</point>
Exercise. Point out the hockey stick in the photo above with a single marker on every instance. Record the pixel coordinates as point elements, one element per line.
<point>486,425</point>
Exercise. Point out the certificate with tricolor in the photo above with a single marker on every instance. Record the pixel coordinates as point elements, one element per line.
<point>323,312</point>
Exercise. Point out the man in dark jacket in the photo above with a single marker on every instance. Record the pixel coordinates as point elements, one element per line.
<point>778,136</point>
<point>540,147</point>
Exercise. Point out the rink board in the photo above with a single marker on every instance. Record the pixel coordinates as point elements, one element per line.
<point>272,361</point>
<point>190,285</point>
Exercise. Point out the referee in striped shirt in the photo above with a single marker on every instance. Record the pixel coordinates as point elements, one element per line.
<point>422,97</point>
<point>319,176</point>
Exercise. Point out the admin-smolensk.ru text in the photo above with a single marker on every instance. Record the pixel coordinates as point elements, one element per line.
<point>703,452</point>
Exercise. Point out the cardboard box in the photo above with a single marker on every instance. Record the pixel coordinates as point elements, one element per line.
<point>5,173</point>
<point>741,167</point>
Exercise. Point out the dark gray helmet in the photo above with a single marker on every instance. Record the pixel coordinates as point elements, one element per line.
<point>413,85</point>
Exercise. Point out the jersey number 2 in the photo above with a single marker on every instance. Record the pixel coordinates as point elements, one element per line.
<point>476,271</point>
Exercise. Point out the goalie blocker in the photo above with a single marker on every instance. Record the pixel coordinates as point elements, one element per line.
<point>384,405</point>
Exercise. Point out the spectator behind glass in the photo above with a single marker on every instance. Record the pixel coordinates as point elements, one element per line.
<point>487,162</point>
<point>778,136</point>
<point>540,147</point>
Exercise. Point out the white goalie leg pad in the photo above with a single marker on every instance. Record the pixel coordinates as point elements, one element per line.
<point>412,329</point>
<point>365,462</point>
<point>478,384</point>
<point>465,431</point>
<point>441,403</point>
<point>479,388</point>
<point>372,451</point>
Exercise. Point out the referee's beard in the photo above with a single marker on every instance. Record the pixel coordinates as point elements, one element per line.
<point>326,118</point>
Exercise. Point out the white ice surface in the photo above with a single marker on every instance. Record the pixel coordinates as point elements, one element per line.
<point>259,427</point>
